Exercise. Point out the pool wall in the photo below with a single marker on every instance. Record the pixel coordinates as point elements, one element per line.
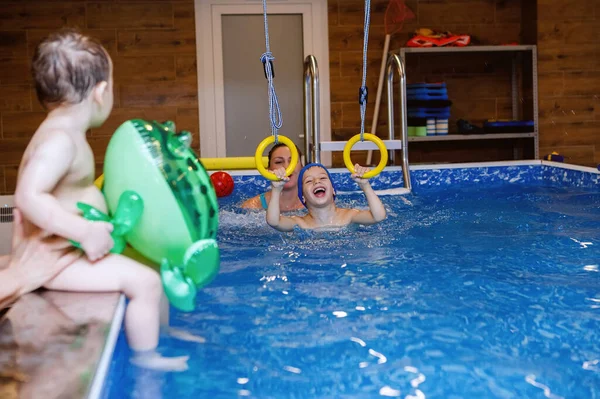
<point>424,177</point>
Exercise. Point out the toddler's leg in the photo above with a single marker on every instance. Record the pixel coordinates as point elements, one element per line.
<point>141,285</point>
<point>164,311</point>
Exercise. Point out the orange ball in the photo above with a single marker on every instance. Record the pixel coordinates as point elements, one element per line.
<point>223,183</point>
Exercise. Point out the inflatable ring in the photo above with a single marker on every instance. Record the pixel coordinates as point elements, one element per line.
<point>99,182</point>
<point>382,149</point>
<point>261,149</point>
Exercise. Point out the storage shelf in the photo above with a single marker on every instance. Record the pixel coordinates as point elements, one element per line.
<point>516,54</point>
<point>465,49</point>
<point>488,136</point>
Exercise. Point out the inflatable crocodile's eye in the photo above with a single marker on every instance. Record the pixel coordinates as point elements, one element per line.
<point>176,148</point>
<point>185,137</point>
<point>179,145</point>
<point>169,125</point>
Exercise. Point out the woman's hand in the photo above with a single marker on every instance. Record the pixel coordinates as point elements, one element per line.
<point>37,258</point>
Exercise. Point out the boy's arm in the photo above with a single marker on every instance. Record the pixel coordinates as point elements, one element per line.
<point>45,168</point>
<point>274,218</point>
<point>376,212</point>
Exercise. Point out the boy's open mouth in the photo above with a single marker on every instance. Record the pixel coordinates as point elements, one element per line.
<point>319,192</point>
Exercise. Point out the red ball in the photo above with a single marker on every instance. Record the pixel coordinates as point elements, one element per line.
<point>223,183</point>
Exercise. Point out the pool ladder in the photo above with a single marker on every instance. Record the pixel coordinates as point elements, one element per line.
<point>312,117</point>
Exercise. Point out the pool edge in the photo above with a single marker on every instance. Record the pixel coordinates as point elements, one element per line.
<point>99,380</point>
<point>466,165</point>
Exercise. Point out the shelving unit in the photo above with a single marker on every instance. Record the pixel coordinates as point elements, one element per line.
<point>456,137</point>
<point>516,53</point>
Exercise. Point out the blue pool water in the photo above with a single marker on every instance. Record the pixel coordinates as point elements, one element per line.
<point>465,291</point>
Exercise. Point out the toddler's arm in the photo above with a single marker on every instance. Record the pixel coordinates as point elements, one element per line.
<point>376,212</point>
<point>274,218</point>
<point>45,168</point>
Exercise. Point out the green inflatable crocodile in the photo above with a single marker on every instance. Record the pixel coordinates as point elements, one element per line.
<point>162,201</point>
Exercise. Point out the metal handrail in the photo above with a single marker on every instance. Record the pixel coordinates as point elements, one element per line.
<point>311,110</point>
<point>312,136</point>
<point>395,63</point>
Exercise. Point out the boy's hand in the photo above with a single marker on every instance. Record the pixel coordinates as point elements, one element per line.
<point>280,173</point>
<point>359,171</point>
<point>98,241</point>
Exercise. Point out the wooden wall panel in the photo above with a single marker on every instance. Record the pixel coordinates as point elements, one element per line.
<point>11,176</point>
<point>129,16</point>
<point>569,82</point>
<point>127,69</point>
<point>13,44</point>
<point>15,98</point>
<point>24,15</point>
<point>2,180</point>
<point>155,61</point>
<point>153,47</point>
<point>434,12</point>
<point>529,28</point>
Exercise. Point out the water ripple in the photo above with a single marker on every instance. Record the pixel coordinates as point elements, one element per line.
<point>459,293</point>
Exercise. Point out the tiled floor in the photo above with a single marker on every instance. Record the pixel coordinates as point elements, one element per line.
<point>51,342</point>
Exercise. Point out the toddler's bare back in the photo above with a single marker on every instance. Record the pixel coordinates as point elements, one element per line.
<point>77,184</point>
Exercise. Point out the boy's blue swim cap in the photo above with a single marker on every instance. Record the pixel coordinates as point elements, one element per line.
<point>301,174</point>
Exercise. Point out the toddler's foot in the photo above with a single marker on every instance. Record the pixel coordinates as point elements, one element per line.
<point>155,361</point>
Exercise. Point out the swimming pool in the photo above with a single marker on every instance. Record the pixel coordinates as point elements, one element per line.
<point>481,283</point>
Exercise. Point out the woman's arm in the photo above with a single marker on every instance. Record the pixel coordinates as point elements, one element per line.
<point>252,203</point>
<point>10,287</point>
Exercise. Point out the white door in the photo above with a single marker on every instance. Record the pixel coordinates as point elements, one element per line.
<point>233,98</point>
<point>247,120</point>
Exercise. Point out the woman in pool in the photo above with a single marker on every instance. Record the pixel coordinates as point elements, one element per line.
<point>280,157</point>
<point>317,193</point>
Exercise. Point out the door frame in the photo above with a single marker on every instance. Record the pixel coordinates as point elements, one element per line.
<point>209,56</point>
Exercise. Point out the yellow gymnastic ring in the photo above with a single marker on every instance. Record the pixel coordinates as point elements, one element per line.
<point>382,149</point>
<point>261,149</point>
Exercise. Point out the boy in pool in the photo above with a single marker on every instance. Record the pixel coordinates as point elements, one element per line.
<point>317,193</point>
<point>73,81</point>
